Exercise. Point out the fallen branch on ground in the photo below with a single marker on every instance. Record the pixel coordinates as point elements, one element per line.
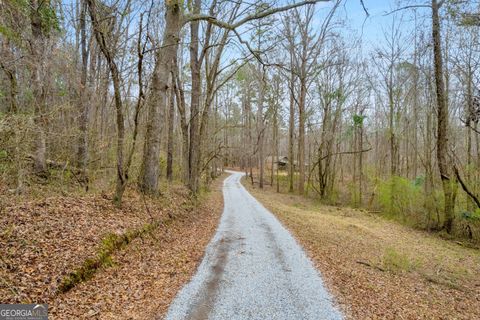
<point>369,265</point>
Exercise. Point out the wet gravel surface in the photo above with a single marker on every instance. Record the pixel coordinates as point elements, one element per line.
<point>252,269</point>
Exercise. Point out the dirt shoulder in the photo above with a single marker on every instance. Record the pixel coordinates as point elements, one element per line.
<point>379,269</point>
<point>42,241</point>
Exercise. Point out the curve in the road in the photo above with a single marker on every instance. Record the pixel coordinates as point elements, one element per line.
<point>252,269</point>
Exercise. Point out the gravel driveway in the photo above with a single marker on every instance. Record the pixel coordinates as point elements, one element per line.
<point>252,269</point>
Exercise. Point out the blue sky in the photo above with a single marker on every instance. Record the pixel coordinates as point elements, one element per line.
<point>371,28</point>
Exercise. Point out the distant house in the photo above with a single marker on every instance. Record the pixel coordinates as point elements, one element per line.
<point>281,163</point>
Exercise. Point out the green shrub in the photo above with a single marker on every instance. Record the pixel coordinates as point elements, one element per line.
<point>402,198</point>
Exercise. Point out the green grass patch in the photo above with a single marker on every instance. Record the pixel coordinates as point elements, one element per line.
<point>397,262</point>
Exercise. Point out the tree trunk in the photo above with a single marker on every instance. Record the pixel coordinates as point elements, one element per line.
<point>38,55</point>
<point>415,104</point>
<point>470,111</point>
<point>442,126</point>
<point>83,101</point>
<point>392,140</point>
<point>171,122</point>
<point>103,40</point>
<point>291,131</point>
<point>301,136</point>
<point>158,100</point>
<point>391,129</point>
<point>260,134</point>
<point>180,99</point>
<point>10,72</point>
<point>355,159</point>
<point>250,140</point>
<point>194,102</point>
<point>360,165</point>
<point>429,183</point>
<point>275,143</point>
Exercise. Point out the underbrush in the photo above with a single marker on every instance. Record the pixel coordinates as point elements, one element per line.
<point>405,201</point>
<point>397,198</point>
<point>379,268</point>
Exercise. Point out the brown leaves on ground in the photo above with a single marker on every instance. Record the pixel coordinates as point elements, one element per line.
<point>379,269</point>
<point>41,241</point>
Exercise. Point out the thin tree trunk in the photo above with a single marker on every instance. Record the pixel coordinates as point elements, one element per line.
<point>103,40</point>
<point>429,184</point>
<point>171,121</point>
<point>83,101</point>
<point>291,131</point>
<point>260,134</point>
<point>180,99</point>
<point>360,166</point>
<point>470,112</point>
<point>11,76</point>
<point>415,103</point>
<point>301,136</point>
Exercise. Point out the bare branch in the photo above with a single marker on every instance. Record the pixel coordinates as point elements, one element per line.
<point>408,7</point>
<point>345,152</point>
<point>364,8</point>
<point>251,17</point>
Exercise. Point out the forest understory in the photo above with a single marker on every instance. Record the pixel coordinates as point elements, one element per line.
<point>133,259</point>
<point>117,116</point>
<point>376,267</point>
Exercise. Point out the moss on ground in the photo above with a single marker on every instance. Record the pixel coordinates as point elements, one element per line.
<point>110,244</point>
